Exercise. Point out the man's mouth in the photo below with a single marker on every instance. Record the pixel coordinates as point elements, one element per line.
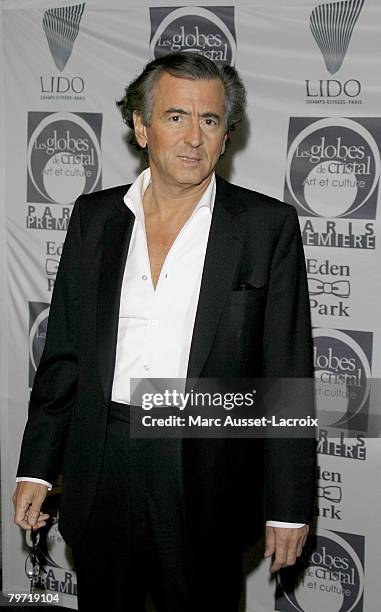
<point>188,158</point>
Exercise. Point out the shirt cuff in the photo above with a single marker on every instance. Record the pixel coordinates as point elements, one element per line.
<point>26,479</point>
<point>283,524</point>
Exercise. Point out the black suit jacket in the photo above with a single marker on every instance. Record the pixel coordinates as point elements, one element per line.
<point>264,331</point>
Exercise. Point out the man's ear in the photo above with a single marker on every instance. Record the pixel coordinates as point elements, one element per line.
<point>140,129</point>
<point>224,143</point>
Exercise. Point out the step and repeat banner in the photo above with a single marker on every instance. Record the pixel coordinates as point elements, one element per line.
<point>312,138</point>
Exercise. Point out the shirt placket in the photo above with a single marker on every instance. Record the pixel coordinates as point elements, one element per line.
<point>159,301</point>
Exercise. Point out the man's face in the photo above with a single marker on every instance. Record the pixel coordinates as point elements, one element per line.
<point>187,133</point>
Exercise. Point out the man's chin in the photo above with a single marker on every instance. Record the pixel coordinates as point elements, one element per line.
<point>194,176</point>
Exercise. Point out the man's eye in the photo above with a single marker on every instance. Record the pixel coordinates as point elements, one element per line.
<point>210,122</point>
<point>175,118</point>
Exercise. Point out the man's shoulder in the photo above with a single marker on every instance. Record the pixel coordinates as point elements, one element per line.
<point>97,205</point>
<point>104,197</point>
<point>255,202</point>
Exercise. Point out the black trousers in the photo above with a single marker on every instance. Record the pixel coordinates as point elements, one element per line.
<point>135,542</point>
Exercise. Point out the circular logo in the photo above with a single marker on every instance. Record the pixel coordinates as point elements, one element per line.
<point>52,548</point>
<point>194,29</point>
<point>333,167</point>
<point>342,378</point>
<point>37,337</point>
<point>328,576</point>
<point>64,158</point>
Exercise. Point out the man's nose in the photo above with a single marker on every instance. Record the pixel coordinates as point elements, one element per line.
<point>194,135</point>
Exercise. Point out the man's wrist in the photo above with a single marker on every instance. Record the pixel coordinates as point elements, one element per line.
<point>38,480</point>
<point>284,524</point>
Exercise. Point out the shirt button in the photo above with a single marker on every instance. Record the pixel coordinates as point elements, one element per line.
<point>144,276</point>
<point>146,367</point>
<point>155,322</point>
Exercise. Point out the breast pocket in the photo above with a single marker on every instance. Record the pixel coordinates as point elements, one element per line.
<point>237,345</point>
<point>247,296</point>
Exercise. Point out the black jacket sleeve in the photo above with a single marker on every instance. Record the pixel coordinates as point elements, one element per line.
<point>54,390</point>
<point>287,354</point>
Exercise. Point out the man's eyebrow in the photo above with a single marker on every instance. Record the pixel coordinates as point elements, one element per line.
<point>181,111</point>
<point>210,115</point>
<point>178,111</point>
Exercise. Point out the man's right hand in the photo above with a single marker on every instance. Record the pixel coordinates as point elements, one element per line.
<point>27,500</point>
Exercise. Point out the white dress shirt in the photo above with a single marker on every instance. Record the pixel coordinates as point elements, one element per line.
<point>156,324</point>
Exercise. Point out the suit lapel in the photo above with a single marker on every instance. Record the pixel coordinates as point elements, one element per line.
<point>116,240</point>
<point>222,256</point>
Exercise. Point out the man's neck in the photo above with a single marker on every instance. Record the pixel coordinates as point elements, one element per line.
<point>170,201</point>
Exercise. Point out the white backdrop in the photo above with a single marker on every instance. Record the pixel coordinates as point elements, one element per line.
<point>312,138</point>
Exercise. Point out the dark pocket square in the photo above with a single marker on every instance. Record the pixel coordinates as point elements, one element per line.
<point>244,287</point>
<point>248,287</point>
<point>246,294</point>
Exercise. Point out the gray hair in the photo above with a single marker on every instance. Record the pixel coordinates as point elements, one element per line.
<point>139,94</point>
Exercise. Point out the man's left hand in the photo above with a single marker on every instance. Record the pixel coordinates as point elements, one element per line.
<point>286,544</point>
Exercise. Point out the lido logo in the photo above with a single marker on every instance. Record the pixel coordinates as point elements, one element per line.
<point>332,25</point>
<point>61,27</point>
<point>208,31</point>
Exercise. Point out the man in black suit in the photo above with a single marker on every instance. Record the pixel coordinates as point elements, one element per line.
<point>181,274</point>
